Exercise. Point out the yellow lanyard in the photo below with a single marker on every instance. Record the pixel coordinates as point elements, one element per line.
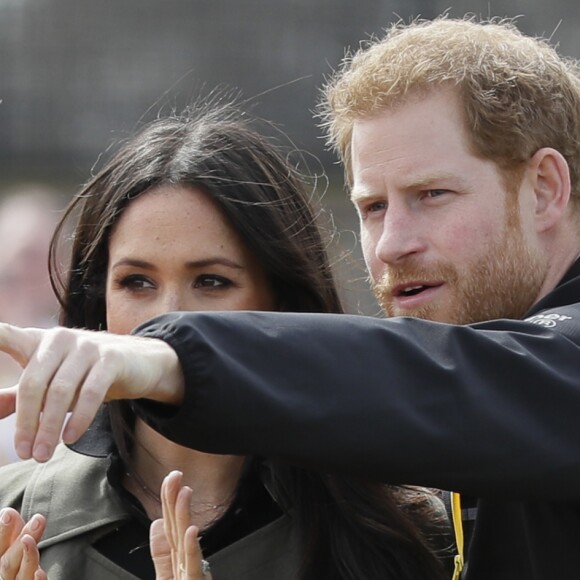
<point>458,529</point>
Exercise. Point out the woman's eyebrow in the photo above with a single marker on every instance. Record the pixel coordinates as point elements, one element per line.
<point>137,263</point>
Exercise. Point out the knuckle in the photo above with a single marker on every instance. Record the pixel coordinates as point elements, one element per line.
<point>92,393</point>
<point>6,566</point>
<point>110,356</point>
<point>57,334</point>
<point>86,348</point>
<point>59,389</point>
<point>48,431</point>
<point>110,363</point>
<point>30,384</point>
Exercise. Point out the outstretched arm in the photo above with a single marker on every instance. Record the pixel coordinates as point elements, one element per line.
<point>453,407</point>
<point>70,369</point>
<point>484,409</point>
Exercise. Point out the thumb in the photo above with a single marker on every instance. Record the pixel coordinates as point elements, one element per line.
<point>160,551</point>
<point>19,343</point>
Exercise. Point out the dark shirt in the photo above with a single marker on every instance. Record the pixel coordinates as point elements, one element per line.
<point>128,544</point>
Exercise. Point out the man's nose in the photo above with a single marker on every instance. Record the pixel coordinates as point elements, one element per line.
<point>401,236</point>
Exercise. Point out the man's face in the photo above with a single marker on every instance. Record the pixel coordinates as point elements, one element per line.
<point>442,237</point>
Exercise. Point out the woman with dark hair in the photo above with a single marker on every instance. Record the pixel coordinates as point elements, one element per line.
<point>197,212</point>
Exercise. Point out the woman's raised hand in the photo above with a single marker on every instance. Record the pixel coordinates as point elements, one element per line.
<point>174,542</point>
<point>76,370</point>
<point>19,556</point>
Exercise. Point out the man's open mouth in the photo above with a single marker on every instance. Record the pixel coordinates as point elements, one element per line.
<point>413,290</point>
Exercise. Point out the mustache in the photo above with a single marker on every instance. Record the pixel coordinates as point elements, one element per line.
<point>395,276</point>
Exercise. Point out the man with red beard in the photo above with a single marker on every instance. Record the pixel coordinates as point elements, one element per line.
<point>460,142</point>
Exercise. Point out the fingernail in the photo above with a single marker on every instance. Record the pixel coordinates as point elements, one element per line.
<point>5,517</point>
<point>24,450</point>
<point>41,452</point>
<point>35,523</point>
<point>69,435</point>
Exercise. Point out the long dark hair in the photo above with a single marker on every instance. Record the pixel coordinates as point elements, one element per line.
<point>350,529</point>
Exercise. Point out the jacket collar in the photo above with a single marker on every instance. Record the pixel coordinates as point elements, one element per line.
<point>566,292</point>
<point>63,488</point>
<point>98,440</point>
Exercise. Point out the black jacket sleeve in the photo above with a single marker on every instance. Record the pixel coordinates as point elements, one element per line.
<point>487,409</point>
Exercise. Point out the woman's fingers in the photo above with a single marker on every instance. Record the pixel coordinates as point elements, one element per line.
<point>181,538</point>
<point>160,551</point>
<point>169,491</point>
<point>195,567</point>
<point>30,560</point>
<point>188,566</point>
<point>186,559</point>
<point>182,521</point>
<point>34,527</point>
<point>11,524</point>
<point>21,560</point>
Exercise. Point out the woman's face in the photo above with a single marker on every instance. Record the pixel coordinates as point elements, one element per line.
<point>172,250</point>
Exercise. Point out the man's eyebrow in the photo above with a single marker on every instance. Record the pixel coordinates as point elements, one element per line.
<point>429,178</point>
<point>418,182</point>
<point>359,194</point>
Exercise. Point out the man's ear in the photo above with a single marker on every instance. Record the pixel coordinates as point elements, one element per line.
<point>550,177</point>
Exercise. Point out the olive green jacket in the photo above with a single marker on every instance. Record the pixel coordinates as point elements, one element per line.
<point>80,506</point>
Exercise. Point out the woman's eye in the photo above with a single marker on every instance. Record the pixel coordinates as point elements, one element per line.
<point>212,281</point>
<point>136,282</point>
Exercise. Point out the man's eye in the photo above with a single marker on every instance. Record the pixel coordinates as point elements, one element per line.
<point>366,210</point>
<point>436,192</point>
<point>376,206</point>
<point>212,281</point>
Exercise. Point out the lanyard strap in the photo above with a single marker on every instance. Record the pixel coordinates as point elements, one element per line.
<point>458,530</point>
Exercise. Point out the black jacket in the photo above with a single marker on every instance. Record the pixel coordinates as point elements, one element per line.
<point>491,410</point>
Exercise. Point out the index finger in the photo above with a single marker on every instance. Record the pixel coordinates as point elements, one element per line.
<point>196,568</point>
<point>30,564</point>
<point>19,343</point>
<point>20,558</point>
<point>11,524</point>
